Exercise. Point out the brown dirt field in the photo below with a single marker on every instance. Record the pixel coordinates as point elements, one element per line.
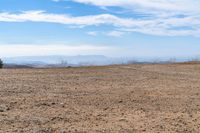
<point>111,99</point>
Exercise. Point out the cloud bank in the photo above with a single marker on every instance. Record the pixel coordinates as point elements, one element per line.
<point>40,50</point>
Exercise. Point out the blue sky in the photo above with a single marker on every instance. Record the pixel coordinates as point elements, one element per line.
<point>117,28</point>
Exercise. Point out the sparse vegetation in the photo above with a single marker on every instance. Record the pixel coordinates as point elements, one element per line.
<point>1,64</point>
<point>63,63</point>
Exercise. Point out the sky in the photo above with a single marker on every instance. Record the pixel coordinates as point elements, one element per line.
<point>115,28</point>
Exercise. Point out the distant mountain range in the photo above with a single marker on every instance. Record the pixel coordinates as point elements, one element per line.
<point>63,61</point>
<point>80,60</point>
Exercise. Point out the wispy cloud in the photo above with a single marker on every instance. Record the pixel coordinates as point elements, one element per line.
<point>181,6</point>
<point>158,17</point>
<point>92,33</point>
<point>41,16</point>
<point>115,33</point>
<point>171,26</point>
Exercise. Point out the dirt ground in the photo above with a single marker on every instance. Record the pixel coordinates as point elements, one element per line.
<point>111,99</point>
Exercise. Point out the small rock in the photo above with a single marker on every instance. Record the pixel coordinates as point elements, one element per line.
<point>4,108</point>
<point>120,101</point>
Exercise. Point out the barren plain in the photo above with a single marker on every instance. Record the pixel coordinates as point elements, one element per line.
<point>109,99</point>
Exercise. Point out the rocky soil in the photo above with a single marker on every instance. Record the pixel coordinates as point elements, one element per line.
<point>111,99</point>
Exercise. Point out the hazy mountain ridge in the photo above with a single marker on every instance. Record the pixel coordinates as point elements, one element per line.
<point>63,61</point>
<point>82,60</point>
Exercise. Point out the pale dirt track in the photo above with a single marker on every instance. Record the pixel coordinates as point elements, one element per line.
<point>111,99</point>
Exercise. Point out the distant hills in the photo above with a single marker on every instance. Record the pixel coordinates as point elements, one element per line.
<point>62,61</point>
<point>81,60</point>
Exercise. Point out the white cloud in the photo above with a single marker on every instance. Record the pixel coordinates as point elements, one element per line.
<point>92,33</point>
<point>41,16</point>
<point>37,50</point>
<point>115,33</point>
<point>182,6</point>
<point>162,17</point>
<point>188,25</point>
